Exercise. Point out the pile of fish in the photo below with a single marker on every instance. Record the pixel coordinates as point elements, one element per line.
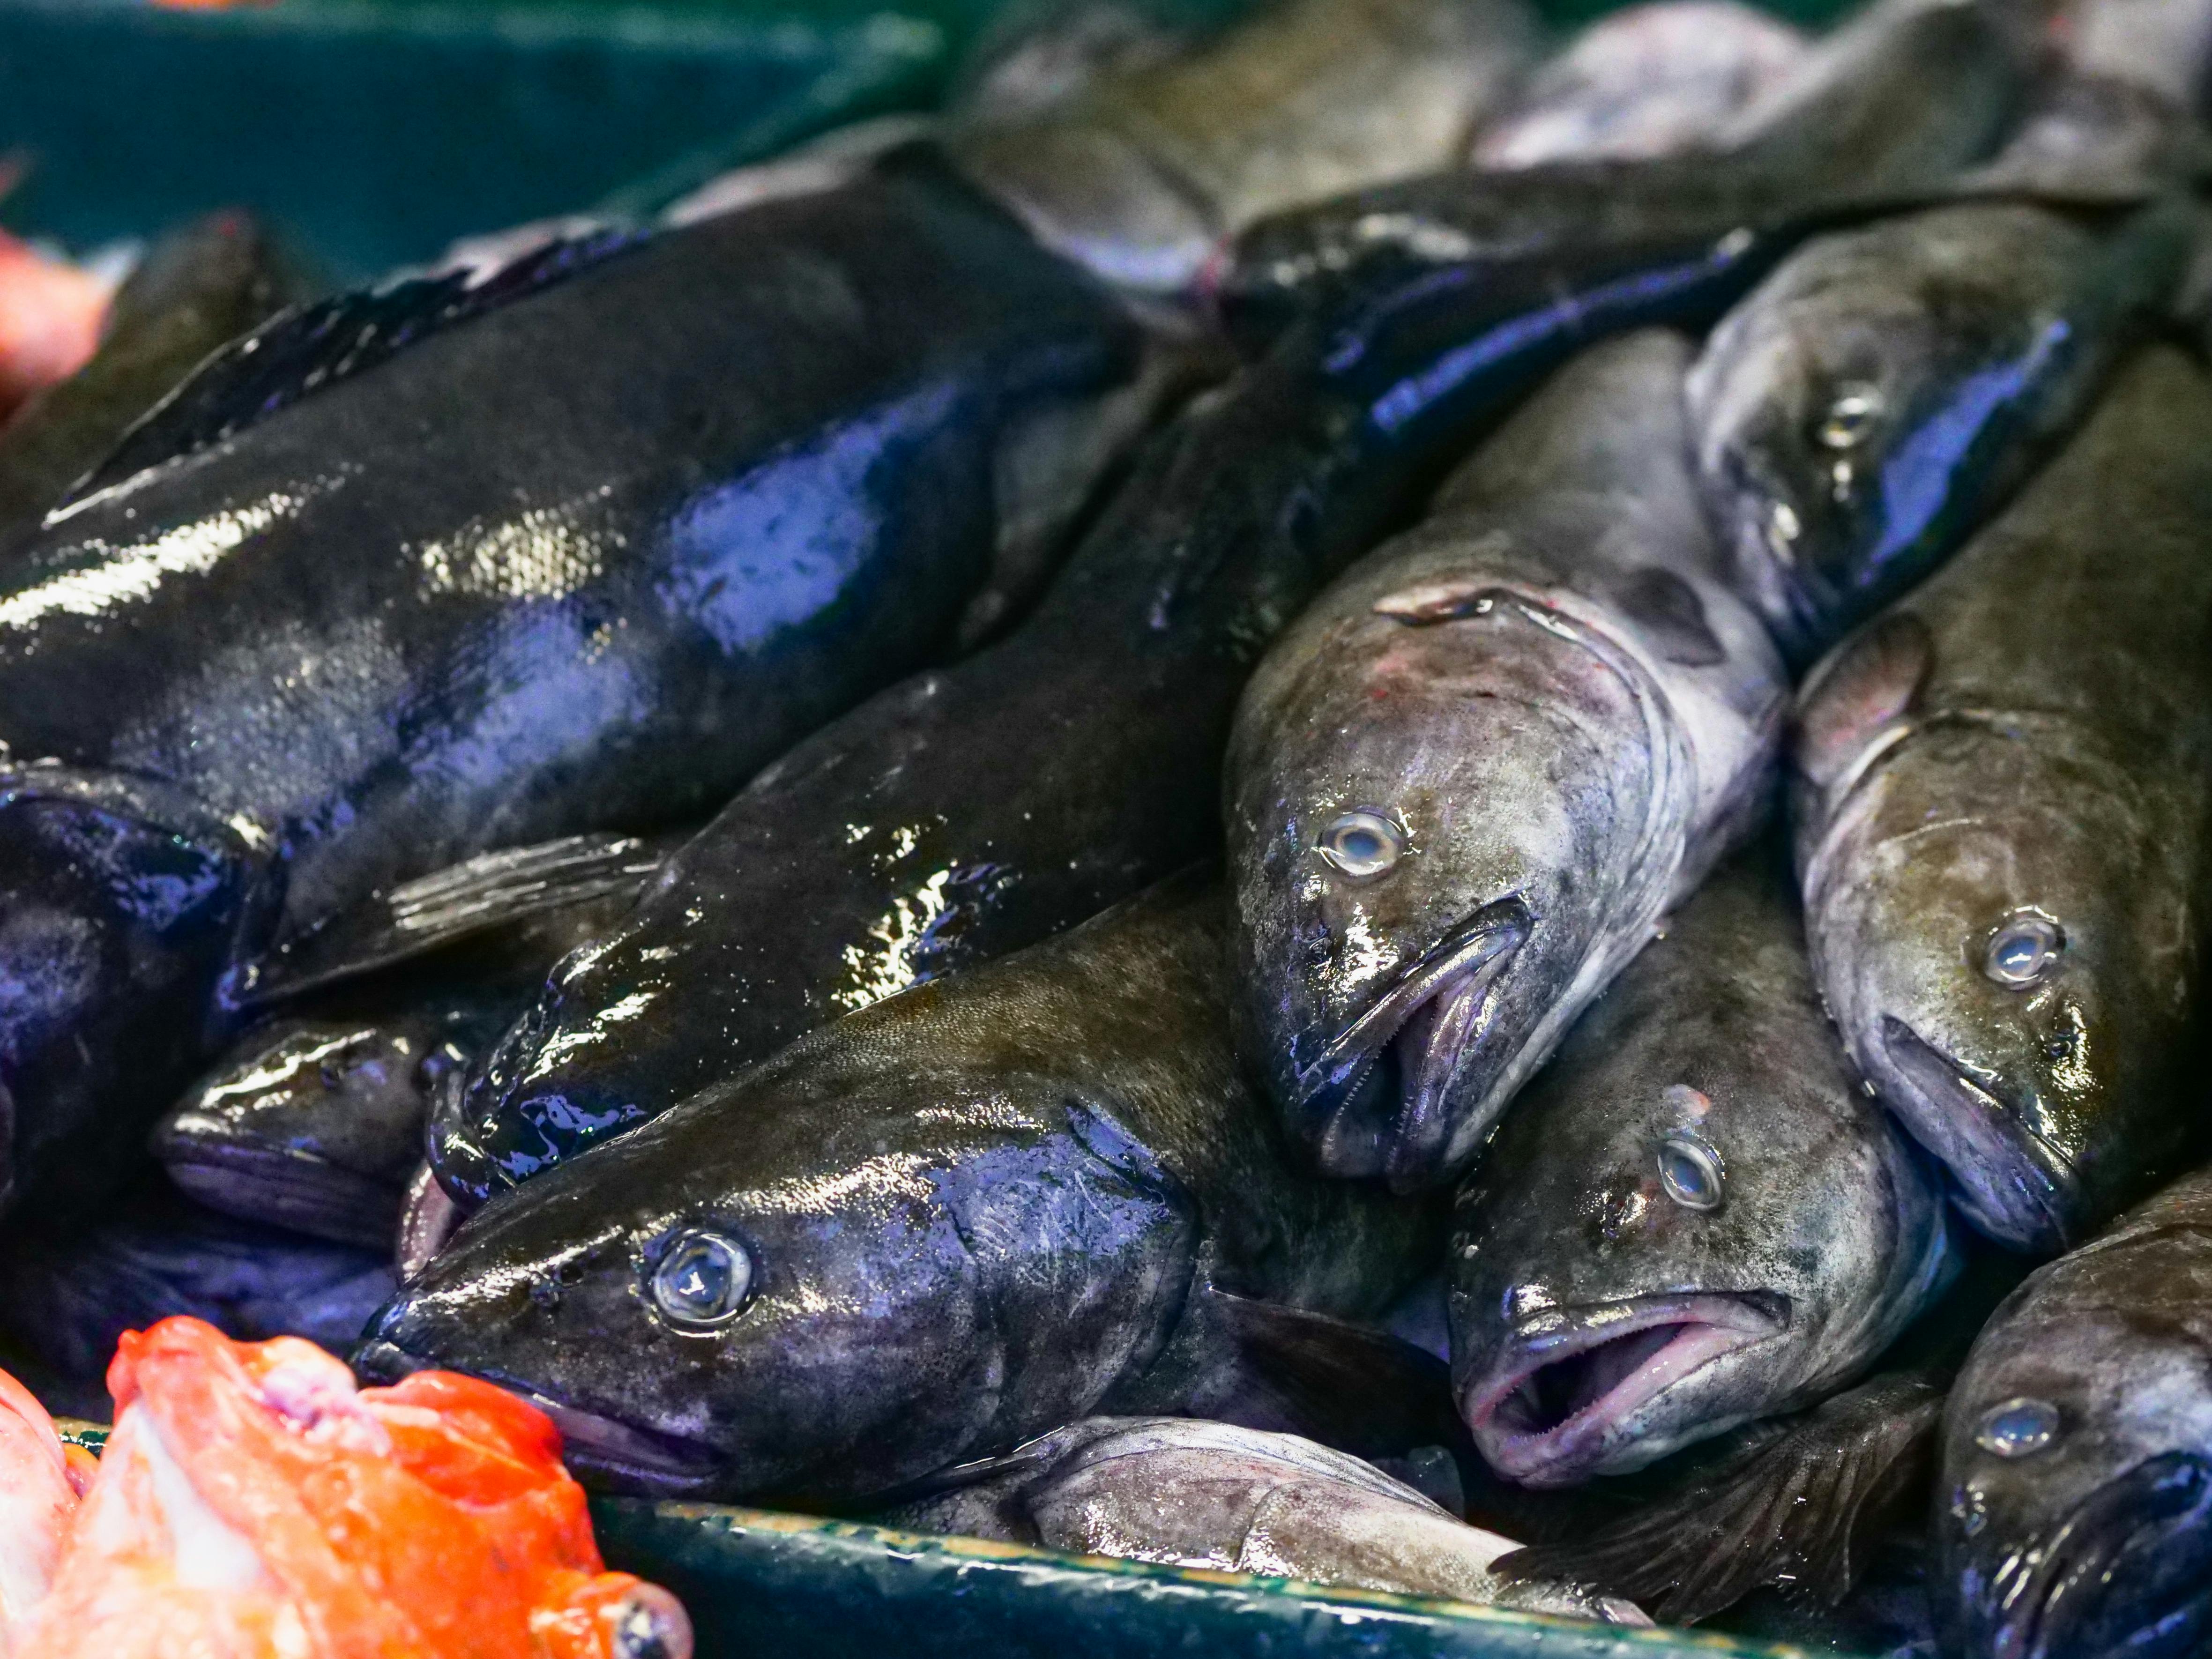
<point>1362,797</point>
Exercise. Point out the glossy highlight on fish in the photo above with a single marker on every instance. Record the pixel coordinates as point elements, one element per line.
<point>2001,825</point>
<point>1465,785</point>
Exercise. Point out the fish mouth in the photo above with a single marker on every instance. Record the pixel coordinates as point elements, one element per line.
<point>2012,1183</point>
<point>2128,1570</point>
<point>1375,1101</point>
<point>1550,1411</point>
<point>605,1453</point>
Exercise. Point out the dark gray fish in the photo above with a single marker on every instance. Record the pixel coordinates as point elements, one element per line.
<point>1694,1218</point>
<point>2001,827</point>
<point>2074,1518</point>
<point>1468,781</point>
<point>1860,413</point>
<point>1139,178</point>
<point>931,1231</point>
<point>195,289</point>
<point>1189,1493</point>
<point>1649,80</point>
<point>314,1120</point>
<point>459,565</point>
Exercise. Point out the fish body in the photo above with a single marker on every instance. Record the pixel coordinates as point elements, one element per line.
<point>1863,411</point>
<point>604,535</point>
<point>1465,785</point>
<point>40,1481</point>
<point>957,1220</point>
<point>1694,1218</point>
<point>1647,80</point>
<point>2001,824</point>
<point>2073,1506</point>
<point>1190,1493</point>
<point>252,1502</point>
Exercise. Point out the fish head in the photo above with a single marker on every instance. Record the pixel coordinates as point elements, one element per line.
<point>1678,1230</point>
<point>2000,920</point>
<point>1444,813</point>
<point>813,1289</point>
<point>2073,1516</point>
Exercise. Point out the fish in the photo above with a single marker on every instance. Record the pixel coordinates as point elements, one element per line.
<point>2074,1505</point>
<point>314,1120</point>
<point>40,1481</point>
<point>1891,107</point>
<point>2162,46</point>
<point>1649,80</point>
<point>977,809</point>
<point>340,612</point>
<point>935,1229</point>
<point>1463,788</point>
<point>1694,1219</point>
<point>50,311</point>
<point>2000,811</point>
<point>1189,1493</point>
<point>198,287</point>
<point>1863,411</point>
<point>67,1295</point>
<point>252,1502</point>
<point>1139,178</point>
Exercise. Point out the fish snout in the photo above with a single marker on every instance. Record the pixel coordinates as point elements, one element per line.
<point>2127,1571</point>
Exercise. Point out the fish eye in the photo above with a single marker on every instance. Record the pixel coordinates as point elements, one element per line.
<point>703,1281</point>
<point>1851,415</point>
<point>1691,1170</point>
<point>1363,845</point>
<point>2019,1427</point>
<point>2023,952</point>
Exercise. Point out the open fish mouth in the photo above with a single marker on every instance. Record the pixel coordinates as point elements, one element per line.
<point>613,1456</point>
<point>2013,1183</point>
<point>1374,1103</point>
<point>1558,1400</point>
<point>2128,1571</point>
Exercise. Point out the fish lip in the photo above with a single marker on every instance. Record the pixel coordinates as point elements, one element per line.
<point>1942,1102</point>
<point>1456,976</point>
<point>1716,1323</point>
<point>2036,1604</point>
<point>623,1457</point>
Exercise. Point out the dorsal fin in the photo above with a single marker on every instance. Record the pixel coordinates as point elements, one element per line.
<point>310,348</point>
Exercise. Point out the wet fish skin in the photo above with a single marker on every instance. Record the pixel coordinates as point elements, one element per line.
<point>1863,410</point>
<point>2076,1472</point>
<point>1827,1239</point>
<point>1565,716</point>
<point>2001,826</point>
<point>969,1214</point>
<point>524,639</point>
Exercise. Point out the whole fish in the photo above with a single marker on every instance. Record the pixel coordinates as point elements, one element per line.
<point>1862,411</point>
<point>196,289</point>
<point>930,1232</point>
<point>1190,1493</point>
<point>1648,80</point>
<point>2074,1511</point>
<point>40,1481</point>
<point>2001,824</point>
<point>1139,178</point>
<point>252,1504</point>
<point>1694,1218</point>
<point>343,611</point>
<point>314,1120</point>
<point>1466,782</point>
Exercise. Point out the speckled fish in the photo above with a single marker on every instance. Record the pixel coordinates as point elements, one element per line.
<point>1465,785</point>
<point>580,546</point>
<point>314,1120</point>
<point>1694,1218</point>
<point>1890,106</point>
<point>925,1234</point>
<point>1189,1493</point>
<point>2001,826</point>
<point>195,289</point>
<point>2074,1513</point>
<point>1865,408</point>
<point>1648,80</point>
